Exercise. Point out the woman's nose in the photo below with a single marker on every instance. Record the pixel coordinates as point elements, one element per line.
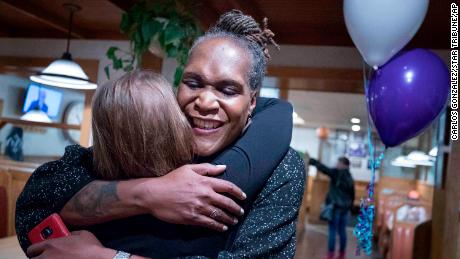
<point>207,102</point>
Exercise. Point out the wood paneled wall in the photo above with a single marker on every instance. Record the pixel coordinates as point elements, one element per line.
<point>458,241</point>
<point>403,186</point>
<point>13,177</point>
<point>426,190</point>
<point>319,190</point>
<point>320,185</point>
<point>396,184</point>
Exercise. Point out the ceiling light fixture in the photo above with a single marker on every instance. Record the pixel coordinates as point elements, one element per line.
<point>35,115</point>
<point>402,161</point>
<point>433,151</point>
<point>65,72</point>
<point>418,156</point>
<point>415,158</point>
<point>355,120</point>
<point>297,120</point>
<point>355,128</point>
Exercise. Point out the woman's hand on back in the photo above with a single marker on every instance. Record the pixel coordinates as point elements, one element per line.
<point>189,196</point>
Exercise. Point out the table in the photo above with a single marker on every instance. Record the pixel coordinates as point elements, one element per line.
<point>10,249</point>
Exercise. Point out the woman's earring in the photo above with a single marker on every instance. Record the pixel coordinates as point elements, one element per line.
<point>248,122</point>
<point>249,119</point>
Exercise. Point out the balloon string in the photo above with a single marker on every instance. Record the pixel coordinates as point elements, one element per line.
<point>364,227</point>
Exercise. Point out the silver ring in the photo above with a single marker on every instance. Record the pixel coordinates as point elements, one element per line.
<point>214,213</point>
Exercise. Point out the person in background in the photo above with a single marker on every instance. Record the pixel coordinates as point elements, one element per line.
<point>39,104</point>
<point>341,195</point>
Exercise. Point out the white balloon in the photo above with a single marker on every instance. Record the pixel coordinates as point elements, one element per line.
<point>381,28</point>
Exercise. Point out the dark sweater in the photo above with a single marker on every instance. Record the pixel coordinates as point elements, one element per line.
<point>268,230</point>
<point>250,162</point>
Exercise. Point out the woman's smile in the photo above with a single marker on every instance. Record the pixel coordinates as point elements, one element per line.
<point>203,127</point>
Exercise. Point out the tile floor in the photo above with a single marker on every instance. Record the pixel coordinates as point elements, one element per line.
<point>312,243</point>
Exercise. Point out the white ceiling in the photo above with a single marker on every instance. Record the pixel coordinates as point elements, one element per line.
<point>332,110</point>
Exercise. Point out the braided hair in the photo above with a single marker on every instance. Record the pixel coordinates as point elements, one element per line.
<point>246,32</point>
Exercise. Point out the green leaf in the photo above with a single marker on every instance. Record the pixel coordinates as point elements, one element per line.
<point>171,50</point>
<point>182,57</point>
<point>111,52</point>
<point>117,64</point>
<point>107,71</point>
<point>161,39</point>
<point>137,11</point>
<point>178,75</point>
<point>173,32</point>
<point>150,29</point>
<point>138,43</point>
<point>126,23</point>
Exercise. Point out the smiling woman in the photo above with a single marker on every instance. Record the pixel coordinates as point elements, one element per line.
<point>214,93</point>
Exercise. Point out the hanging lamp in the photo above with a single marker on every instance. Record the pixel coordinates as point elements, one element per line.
<point>65,72</point>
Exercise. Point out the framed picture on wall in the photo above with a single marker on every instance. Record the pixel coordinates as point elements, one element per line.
<point>356,149</point>
<point>356,162</point>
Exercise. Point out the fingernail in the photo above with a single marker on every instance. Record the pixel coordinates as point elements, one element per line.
<point>235,221</point>
<point>244,195</point>
<point>242,212</point>
<point>221,166</point>
<point>225,228</point>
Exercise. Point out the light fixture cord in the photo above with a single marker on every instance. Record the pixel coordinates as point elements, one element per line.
<point>69,34</point>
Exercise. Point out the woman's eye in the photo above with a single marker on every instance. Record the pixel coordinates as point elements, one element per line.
<point>230,91</point>
<point>191,84</point>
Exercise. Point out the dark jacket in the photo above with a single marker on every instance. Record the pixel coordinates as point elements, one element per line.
<point>341,187</point>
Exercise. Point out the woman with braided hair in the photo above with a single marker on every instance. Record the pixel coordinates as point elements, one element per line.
<point>164,217</point>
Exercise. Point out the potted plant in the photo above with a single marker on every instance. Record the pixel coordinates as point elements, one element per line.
<point>166,28</point>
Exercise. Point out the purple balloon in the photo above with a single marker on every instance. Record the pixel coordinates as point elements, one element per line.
<point>407,94</point>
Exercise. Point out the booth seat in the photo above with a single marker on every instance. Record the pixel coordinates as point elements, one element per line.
<point>387,214</point>
<point>397,236</point>
<point>13,177</point>
<point>410,240</point>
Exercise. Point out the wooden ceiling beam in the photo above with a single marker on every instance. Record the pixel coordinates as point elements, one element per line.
<point>36,13</point>
<point>205,13</point>
<point>108,35</point>
<point>123,5</point>
<point>323,85</point>
<point>316,73</point>
<point>249,7</point>
<point>209,10</point>
<point>4,34</point>
<point>341,80</point>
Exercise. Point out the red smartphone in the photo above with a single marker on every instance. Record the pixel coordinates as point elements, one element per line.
<point>51,227</point>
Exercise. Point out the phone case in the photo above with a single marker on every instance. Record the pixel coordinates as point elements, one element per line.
<point>51,227</point>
